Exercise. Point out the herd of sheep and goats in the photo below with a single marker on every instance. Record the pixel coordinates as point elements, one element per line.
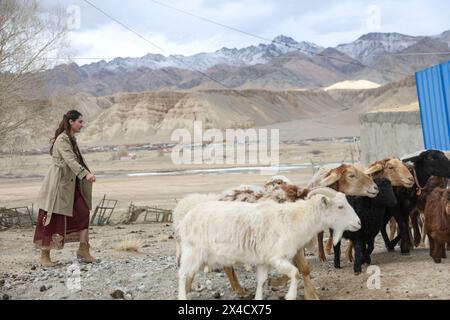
<point>271,226</point>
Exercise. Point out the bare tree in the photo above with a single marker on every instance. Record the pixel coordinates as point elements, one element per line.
<point>30,39</point>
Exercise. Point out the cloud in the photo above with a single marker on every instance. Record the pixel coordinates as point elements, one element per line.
<point>326,23</point>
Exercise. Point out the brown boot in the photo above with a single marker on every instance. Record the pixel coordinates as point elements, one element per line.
<point>45,259</point>
<point>84,255</point>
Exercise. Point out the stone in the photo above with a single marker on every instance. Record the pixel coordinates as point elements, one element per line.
<point>141,288</point>
<point>118,294</point>
<point>128,296</point>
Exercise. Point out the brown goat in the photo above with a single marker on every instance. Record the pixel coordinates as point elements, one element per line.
<point>417,213</point>
<point>437,222</point>
<point>392,169</point>
<point>396,172</point>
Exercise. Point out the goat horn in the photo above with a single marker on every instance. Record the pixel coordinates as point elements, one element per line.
<point>324,191</point>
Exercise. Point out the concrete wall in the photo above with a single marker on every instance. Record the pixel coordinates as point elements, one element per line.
<point>384,134</point>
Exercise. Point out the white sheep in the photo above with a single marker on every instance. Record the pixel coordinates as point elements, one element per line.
<point>183,207</point>
<point>265,234</point>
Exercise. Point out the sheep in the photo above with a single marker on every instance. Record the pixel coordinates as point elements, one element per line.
<point>345,178</point>
<point>245,193</point>
<point>276,181</point>
<point>417,213</point>
<point>424,165</point>
<point>392,169</point>
<point>437,222</point>
<point>371,213</point>
<point>277,188</point>
<point>182,208</point>
<point>266,234</point>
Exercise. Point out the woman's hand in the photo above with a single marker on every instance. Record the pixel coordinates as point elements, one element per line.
<point>91,177</point>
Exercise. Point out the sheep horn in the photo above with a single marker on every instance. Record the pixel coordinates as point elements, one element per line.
<point>324,191</point>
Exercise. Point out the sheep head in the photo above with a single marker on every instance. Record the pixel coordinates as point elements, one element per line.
<point>336,212</point>
<point>351,181</point>
<point>392,169</point>
<point>433,162</point>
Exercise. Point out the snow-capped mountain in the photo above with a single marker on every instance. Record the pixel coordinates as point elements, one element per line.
<point>263,53</point>
<point>369,45</point>
<point>281,64</point>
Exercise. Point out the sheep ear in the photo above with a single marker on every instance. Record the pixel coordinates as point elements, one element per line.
<point>412,159</point>
<point>374,168</point>
<point>325,201</point>
<point>332,177</point>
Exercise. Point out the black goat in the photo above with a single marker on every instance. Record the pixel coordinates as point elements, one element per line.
<point>371,212</point>
<point>426,164</point>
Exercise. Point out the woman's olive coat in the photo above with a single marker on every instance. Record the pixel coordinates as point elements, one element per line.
<point>58,190</point>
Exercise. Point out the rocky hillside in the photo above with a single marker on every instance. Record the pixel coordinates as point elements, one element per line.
<point>138,116</point>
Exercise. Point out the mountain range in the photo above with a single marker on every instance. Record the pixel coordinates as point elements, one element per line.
<point>282,64</point>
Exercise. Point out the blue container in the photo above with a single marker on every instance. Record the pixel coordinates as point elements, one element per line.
<point>433,91</point>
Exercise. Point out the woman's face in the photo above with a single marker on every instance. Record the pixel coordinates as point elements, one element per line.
<point>77,125</point>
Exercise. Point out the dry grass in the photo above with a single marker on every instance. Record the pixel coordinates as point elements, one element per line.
<point>129,244</point>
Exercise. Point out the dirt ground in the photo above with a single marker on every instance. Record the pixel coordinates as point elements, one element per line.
<point>151,273</point>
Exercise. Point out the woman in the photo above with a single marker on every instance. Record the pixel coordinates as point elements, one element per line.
<point>66,195</point>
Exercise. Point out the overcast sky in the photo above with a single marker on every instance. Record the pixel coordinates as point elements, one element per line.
<point>324,22</point>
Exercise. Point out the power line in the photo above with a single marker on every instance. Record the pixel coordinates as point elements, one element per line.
<point>80,58</point>
<point>354,62</point>
<point>413,53</point>
<point>151,43</point>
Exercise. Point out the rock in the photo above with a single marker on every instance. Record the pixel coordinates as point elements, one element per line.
<point>141,288</point>
<point>33,267</point>
<point>128,296</point>
<point>217,295</point>
<point>118,294</point>
<point>6,297</point>
<point>199,288</point>
<point>43,288</point>
<point>2,282</point>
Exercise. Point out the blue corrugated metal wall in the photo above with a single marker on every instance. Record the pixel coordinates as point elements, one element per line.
<point>433,91</point>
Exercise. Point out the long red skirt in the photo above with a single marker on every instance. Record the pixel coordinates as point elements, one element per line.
<point>62,229</point>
